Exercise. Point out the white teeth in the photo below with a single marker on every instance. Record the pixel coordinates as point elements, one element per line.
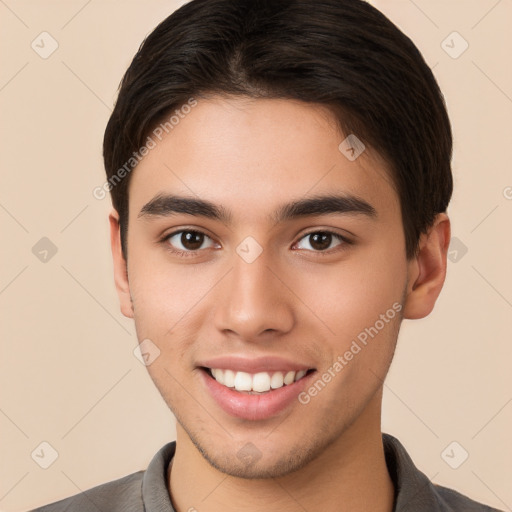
<point>289,378</point>
<point>259,382</point>
<point>243,381</point>
<point>300,374</point>
<point>277,380</point>
<point>229,378</point>
<point>217,375</point>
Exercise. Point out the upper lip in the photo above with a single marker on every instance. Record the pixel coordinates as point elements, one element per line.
<point>255,364</point>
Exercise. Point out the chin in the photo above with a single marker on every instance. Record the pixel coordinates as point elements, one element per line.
<point>257,470</point>
<point>249,462</point>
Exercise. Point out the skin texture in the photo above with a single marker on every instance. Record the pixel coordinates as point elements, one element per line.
<point>293,301</point>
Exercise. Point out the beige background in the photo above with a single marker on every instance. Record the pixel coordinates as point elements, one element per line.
<point>68,373</point>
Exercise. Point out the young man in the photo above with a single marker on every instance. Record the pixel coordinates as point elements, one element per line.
<point>280,174</point>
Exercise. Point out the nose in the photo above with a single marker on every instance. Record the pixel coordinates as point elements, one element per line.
<point>253,301</point>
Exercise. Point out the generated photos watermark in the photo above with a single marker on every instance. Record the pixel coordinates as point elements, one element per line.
<point>151,142</point>
<point>355,348</point>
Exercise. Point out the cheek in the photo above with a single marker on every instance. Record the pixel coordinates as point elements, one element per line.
<point>362,309</point>
<point>170,306</point>
<point>352,297</point>
<point>361,305</point>
<point>164,292</point>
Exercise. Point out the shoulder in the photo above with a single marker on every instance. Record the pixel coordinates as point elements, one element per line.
<point>414,491</point>
<point>137,492</point>
<point>455,501</point>
<point>121,495</point>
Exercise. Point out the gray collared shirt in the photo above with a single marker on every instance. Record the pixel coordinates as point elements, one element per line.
<point>147,491</point>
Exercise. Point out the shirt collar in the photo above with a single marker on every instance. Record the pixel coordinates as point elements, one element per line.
<point>413,490</point>
<point>155,493</point>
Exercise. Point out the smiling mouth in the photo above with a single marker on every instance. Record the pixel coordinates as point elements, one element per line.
<point>255,383</point>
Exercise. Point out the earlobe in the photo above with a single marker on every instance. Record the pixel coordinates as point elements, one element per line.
<point>120,267</point>
<point>427,270</point>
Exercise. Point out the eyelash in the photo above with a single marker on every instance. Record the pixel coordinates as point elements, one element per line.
<point>165,240</point>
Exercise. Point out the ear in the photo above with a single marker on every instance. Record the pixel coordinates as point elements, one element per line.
<point>120,267</point>
<point>427,270</point>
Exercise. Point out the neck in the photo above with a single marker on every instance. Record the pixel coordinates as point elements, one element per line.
<point>350,475</point>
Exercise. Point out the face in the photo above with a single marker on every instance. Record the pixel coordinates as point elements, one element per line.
<point>261,257</point>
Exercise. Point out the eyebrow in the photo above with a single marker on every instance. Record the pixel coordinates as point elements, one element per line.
<point>164,205</point>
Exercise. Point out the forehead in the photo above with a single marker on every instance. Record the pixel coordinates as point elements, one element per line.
<point>249,154</point>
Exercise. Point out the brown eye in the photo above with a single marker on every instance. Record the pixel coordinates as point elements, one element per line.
<point>321,240</point>
<point>188,240</point>
<point>191,240</point>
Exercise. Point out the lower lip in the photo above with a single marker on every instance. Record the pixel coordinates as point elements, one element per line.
<point>254,407</point>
